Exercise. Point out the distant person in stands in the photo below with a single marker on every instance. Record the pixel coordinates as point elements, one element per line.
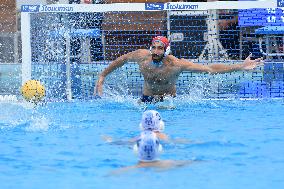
<point>229,32</point>
<point>161,70</point>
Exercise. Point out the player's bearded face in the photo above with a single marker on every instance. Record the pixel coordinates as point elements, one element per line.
<point>157,51</point>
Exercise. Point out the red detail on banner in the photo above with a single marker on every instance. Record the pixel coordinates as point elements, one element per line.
<point>87,1</point>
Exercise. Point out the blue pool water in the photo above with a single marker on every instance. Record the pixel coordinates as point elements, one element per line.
<point>236,144</point>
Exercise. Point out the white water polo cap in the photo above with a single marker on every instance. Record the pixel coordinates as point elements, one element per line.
<point>148,146</point>
<point>152,120</point>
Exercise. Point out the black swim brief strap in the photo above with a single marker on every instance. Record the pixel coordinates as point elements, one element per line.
<point>151,99</point>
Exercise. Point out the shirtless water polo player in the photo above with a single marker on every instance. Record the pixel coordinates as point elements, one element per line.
<point>161,70</point>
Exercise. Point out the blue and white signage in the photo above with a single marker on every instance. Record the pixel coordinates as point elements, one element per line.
<point>170,6</point>
<point>261,17</point>
<point>154,6</point>
<point>280,3</point>
<point>47,8</point>
<point>181,6</point>
<point>30,8</point>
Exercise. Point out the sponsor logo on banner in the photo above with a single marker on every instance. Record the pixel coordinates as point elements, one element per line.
<point>177,37</point>
<point>30,8</point>
<point>181,6</point>
<point>154,6</point>
<point>46,8</point>
<point>280,3</point>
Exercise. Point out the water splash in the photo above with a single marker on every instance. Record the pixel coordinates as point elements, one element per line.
<point>38,124</point>
<point>8,98</point>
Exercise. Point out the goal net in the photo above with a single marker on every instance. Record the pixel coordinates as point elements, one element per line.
<point>67,46</point>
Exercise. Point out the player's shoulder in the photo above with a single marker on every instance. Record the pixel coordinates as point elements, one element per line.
<point>180,61</point>
<point>142,51</point>
<point>172,59</point>
<point>139,54</point>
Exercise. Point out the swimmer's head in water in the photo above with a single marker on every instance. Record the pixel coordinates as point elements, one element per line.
<point>160,47</point>
<point>152,120</point>
<point>148,146</point>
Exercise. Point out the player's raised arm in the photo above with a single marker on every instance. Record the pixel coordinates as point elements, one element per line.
<point>120,61</point>
<point>248,64</point>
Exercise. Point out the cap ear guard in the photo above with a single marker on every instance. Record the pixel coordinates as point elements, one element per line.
<point>160,148</point>
<point>162,126</point>
<point>168,51</point>
<point>141,127</point>
<point>135,149</point>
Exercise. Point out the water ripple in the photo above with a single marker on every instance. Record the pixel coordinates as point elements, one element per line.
<point>212,144</point>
